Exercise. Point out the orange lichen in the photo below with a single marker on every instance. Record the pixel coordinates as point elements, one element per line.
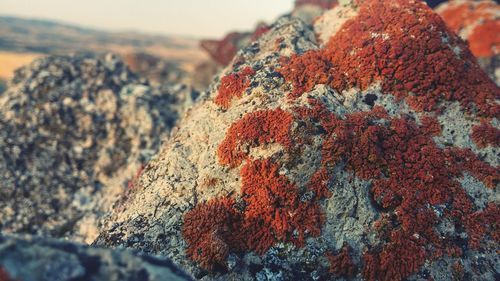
<point>209,230</point>
<point>255,129</point>
<point>484,38</point>
<point>396,261</point>
<point>467,161</point>
<point>341,263</point>
<point>414,182</point>
<point>233,86</point>
<point>410,174</point>
<point>461,15</point>
<point>273,205</point>
<point>482,223</point>
<point>389,41</point>
<point>485,135</point>
<point>430,125</point>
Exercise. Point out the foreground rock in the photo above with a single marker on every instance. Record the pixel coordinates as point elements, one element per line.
<point>36,259</point>
<point>372,156</point>
<point>73,132</point>
<point>477,22</point>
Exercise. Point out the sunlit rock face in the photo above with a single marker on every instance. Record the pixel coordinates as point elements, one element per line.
<point>73,132</point>
<point>363,147</point>
<point>478,23</point>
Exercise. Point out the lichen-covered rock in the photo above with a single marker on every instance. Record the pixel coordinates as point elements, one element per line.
<point>73,132</point>
<point>37,259</point>
<point>477,22</point>
<point>370,155</point>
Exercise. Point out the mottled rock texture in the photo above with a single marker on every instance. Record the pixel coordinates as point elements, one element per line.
<point>73,131</point>
<point>370,155</point>
<point>37,259</point>
<point>477,22</point>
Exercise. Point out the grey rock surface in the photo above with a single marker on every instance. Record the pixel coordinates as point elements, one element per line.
<point>74,130</point>
<point>38,259</point>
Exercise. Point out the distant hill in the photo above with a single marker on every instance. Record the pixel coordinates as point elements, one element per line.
<point>44,36</point>
<point>22,39</point>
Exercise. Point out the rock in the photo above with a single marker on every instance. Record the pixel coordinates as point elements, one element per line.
<point>73,131</point>
<point>477,22</point>
<point>373,155</point>
<point>38,259</point>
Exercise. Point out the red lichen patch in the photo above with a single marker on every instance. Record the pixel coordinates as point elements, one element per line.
<point>396,261</point>
<point>461,15</point>
<point>255,129</point>
<point>410,174</point>
<point>391,42</point>
<point>273,205</point>
<point>308,70</point>
<point>233,86</point>
<point>341,263</point>
<point>467,161</point>
<point>484,38</point>
<point>209,230</point>
<point>482,223</point>
<point>484,135</point>
<point>430,125</point>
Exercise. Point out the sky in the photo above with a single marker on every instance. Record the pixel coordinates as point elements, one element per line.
<point>194,18</point>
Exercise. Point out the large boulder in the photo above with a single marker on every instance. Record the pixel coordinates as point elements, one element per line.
<point>38,259</point>
<point>73,131</point>
<point>370,156</point>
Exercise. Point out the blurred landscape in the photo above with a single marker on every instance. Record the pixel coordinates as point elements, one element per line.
<point>23,40</point>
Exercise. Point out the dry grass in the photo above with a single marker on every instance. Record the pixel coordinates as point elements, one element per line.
<point>10,61</point>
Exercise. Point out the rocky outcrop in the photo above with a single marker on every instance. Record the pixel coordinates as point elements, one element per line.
<point>368,154</point>
<point>73,131</point>
<point>477,22</point>
<point>37,259</point>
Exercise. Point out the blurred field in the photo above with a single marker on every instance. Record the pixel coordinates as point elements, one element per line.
<point>23,40</point>
<point>10,61</point>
